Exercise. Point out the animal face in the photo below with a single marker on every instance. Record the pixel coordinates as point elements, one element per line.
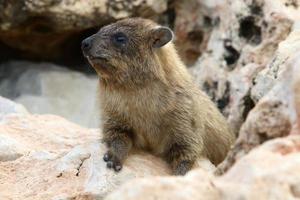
<point>125,49</point>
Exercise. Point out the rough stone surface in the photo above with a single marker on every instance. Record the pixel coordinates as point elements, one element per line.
<point>272,171</point>
<point>296,88</point>
<point>45,88</point>
<point>194,22</point>
<point>10,149</point>
<point>268,172</point>
<point>27,24</point>
<point>276,92</point>
<point>61,161</point>
<point>196,184</point>
<point>240,46</point>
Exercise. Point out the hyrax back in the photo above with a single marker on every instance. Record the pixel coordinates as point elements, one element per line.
<point>149,100</point>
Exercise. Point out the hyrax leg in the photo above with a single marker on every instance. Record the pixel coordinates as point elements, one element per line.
<point>119,142</point>
<point>181,158</point>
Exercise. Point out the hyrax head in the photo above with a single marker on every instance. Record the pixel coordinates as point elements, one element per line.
<point>125,48</point>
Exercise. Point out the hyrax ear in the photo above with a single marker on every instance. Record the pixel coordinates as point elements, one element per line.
<point>161,36</point>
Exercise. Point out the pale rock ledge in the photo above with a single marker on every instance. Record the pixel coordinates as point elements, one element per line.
<point>49,157</point>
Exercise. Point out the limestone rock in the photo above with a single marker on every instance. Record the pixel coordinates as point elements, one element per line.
<point>269,172</point>
<point>195,185</point>
<point>275,113</point>
<point>10,149</point>
<point>41,27</point>
<point>63,161</point>
<point>240,46</point>
<point>45,88</point>
<point>194,22</point>
<point>296,89</point>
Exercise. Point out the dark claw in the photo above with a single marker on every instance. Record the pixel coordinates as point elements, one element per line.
<point>183,168</point>
<point>112,161</point>
<point>106,157</point>
<point>109,164</point>
<point>118,168</point>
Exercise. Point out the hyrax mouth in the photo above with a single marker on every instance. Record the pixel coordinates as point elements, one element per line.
<point>97,59</point>
<point>100,64</point>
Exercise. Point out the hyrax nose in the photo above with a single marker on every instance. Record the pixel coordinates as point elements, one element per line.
<point>86,44</point>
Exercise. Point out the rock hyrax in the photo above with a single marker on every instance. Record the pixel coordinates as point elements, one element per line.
<point>148,99</point>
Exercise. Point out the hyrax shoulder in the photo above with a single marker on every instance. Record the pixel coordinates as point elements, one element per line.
<point>149,100</point>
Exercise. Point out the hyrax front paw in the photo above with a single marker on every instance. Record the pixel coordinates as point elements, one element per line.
<point>182,168</point>
<point>112,161</point>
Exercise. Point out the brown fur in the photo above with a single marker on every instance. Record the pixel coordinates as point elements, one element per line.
<point>149,101</point>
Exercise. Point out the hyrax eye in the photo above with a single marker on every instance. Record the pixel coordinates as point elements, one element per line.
<point>120,39</point>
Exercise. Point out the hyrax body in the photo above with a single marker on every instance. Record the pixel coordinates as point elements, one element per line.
<point>148,99</point>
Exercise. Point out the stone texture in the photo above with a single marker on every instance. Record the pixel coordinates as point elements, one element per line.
<point>10,149</point>
<point>195,185</point>
<point>268,172</point>
<point>240,46</point>
<point>62,161</point>
<point>194,22</point>
<point>27,24</point>
<point>296,89</point>
<point>275,113</point>
<point>45,88</point>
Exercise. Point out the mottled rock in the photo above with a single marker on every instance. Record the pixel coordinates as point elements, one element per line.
<point>269,76</point>
<point>296,88</point>
<point>195,185</point>
<point>10,149</point>
<point>269,172</point>
<point>41,27</point>
<point>194,22</point>
<point>243,44</point>
<point>62,161</point>
<point>275,113</point>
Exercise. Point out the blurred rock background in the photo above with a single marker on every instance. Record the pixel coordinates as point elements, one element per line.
<point>35,35</point>
<point>243,53</point>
